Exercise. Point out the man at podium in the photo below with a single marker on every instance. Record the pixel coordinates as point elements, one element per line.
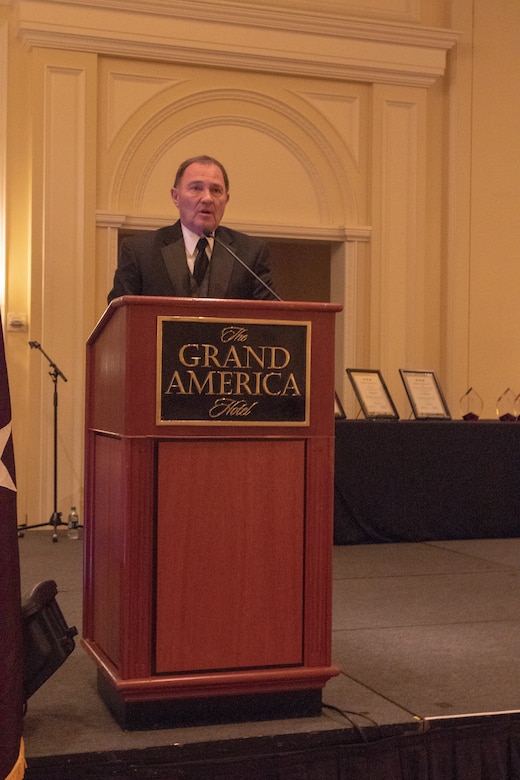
<point>195,257</point>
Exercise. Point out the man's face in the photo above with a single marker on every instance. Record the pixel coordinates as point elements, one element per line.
<point>201,197</point>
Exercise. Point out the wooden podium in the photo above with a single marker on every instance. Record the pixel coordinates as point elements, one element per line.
<point>209,509</point>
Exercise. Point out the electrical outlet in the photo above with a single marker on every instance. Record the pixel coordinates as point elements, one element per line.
<point>16,322</point>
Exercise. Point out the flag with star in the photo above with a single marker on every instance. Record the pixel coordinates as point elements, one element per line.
<point>11,648</point>
<point>7,473</point>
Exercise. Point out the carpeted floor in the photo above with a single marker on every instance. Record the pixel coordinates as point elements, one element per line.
<point>420,631</point>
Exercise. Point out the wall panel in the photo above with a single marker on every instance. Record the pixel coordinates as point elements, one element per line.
<point>61,306</point>
<point>398,255</point>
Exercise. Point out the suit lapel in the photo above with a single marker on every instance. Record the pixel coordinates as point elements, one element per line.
<point>220,269</point>
<point>174,256</point>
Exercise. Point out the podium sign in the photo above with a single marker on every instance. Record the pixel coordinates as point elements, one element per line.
<point>223,371</point>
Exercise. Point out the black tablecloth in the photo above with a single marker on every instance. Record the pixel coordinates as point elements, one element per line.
<point>414,481</point>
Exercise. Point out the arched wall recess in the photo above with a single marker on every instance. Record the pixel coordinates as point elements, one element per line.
<point>267,136</point>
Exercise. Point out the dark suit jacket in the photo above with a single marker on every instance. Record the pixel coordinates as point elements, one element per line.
<point>154,263</point>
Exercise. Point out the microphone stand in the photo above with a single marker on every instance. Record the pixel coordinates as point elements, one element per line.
<point>55,520</point>
<point>211,234</point>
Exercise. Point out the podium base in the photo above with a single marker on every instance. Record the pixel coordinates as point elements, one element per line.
<point>209,710</point>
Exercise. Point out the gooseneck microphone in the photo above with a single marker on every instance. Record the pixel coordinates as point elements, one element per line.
<point>210,234</point>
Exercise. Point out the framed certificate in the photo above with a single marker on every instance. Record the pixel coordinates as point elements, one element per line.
<point>425,395</point>
<point>339,412</point>
<point>372,394</point>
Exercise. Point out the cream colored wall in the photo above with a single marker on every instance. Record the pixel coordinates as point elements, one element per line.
<point>480,236</point>
<point>333,126</point>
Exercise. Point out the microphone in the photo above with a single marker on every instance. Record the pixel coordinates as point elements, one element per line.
<point>56,372</point>
<point>210,234</point>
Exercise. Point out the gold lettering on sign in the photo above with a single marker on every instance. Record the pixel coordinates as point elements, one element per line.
<point>227,407</point>
<point>230,383</point>
<point>234,333</point>
<point>209,356</point>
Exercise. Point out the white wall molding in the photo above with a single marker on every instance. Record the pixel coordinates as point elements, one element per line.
<point>231,10</point>
<point>61,257</point>
<point>276,40</point>
<point>295,232</point>
<point>398,251</point>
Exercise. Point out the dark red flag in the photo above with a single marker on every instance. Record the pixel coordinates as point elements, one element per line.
<point>11,649</point>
